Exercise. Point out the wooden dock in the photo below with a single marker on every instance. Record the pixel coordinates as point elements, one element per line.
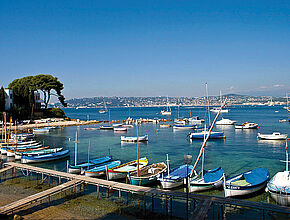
<point>12,207</point>
<point>205,201</point>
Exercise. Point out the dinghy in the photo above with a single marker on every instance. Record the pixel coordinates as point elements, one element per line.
<point>45,157</point>
<point>279,185</point>
<point>174,177</point>
<point>38,151</point>
<point>121,171</point>
<point>147,174</point>
<point>247,182</point>
<point>134,139</point>
<point>101,170</point>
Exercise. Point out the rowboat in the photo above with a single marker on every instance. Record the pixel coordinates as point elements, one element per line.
<point>147,174</point>
<point>134,139</point>
<point>274,136</point>
<point>76,169</point>
<point>247,125</point>
<point>121,171</point>
<point>279,185</point>
<point>4,150</point>
<point>101,170</point>
<point>174,177</point>
<point>45,157</point>
<point>207,180</point>
<point>37,151</point>
<point>225,121</point>
<point>247,182</point>
<point>11,151</point>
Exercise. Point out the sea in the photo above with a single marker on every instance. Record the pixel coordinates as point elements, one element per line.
<point>240,151</point>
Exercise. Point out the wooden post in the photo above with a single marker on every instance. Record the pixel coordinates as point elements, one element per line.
<point>120,196</point>
<point>166,205</point>
<point>152,198</point>
<point>170,206</point>
<point>49,180</point>
<point>49,200</point>
<point>59,180</point>
<point>98,191</point>
<point>144,200</point>
<point>127,199</point>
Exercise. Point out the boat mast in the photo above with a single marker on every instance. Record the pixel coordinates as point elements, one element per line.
<point>167,160</point>
<point>202,163</point>
<point>5,127</point>
<point>287,167</point>
<point>138,171</point>
<point>207,105</point>
<point>207,137</point>
<point>89,153</point>
<point>76,147</point>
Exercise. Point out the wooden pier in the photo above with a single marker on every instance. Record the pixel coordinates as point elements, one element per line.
<point>204,201</point>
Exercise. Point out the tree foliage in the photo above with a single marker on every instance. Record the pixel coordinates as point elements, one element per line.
<point>25,87</point>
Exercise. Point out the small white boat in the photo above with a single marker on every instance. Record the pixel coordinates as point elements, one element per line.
<point>128,126</point>
<point>195,120</point>
<point>183,127</point>
<point>41,130</point>
<point>164,125</point>
<point>165,112</point>
<point>134,139</point>
<point>216,110</point>
<point>225,121</point>
<point>106,127</point>
<point>120,129</point>
<point>274,136</point>
<point>247,125</point>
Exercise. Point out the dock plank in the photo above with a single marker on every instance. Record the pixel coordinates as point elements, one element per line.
<point>155,191</point>
<point>37,197</point>
<point>6,169</point>
<point>201,210</point>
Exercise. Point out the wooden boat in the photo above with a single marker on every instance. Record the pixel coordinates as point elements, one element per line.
<point>147,174</point>
<point>247,125</point>
<point>106,127</point>
<point>279,185</point>
<point>134,139</point>
<point>11,152</point>
<point>37,151</point>
<point>225,121</point>
<point>206,180</point>
<point>121,171</point>
<point>247,182</point>
<point>174,177</point>
<point>101,169</point>
<point>45,157</point>
<point>274,136</point>
<point>76,169</point>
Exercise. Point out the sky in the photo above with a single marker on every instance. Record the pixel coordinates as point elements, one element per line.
<point>149,48</point>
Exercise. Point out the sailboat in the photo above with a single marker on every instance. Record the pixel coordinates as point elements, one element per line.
<point>104,110</point>
<point>216,110</point>
<point>147,174</point>
<point>79,167</point>
<point>168,110</point>
<point>107,127</point>
<point>174,177</point>
<point>206,179</point>
<point>271,103</point>
<point>279,185</point>
<point>212,135</point>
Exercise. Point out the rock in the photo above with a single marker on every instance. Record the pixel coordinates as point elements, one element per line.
<point>17,217</point>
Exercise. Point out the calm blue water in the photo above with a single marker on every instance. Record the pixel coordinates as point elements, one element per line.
<point>240,151</point>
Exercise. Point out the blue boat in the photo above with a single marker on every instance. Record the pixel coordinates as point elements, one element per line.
<point>92,163</point>
<point>247,182</point>
<point>206,180</point>
<point>147,174</point>
<point>45,157</point>
<point>101,170</point>
<point>203,134</point>
<point>175,177</point>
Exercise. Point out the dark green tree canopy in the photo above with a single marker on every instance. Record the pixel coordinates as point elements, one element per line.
<point>2,99</point>
<point>25,87</point>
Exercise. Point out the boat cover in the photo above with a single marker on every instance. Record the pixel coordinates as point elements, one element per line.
<point>257,176</point>
<point>178,172</point>
<point>213,175</point>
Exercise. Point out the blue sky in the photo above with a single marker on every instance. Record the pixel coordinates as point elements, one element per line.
<point>149,48</point>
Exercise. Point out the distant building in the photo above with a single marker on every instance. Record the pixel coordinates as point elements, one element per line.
<point>9,99</point>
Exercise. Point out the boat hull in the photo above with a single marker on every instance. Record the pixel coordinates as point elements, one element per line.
<point>231,191</point>
<point>168,184</point>
<point>280,198</point>
<point>29,159</point>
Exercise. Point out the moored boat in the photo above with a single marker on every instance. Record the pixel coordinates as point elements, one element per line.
<point>45,157</point>
<point>147,174</point>
<point>200,135</point>
<point>247,125</point>
<point>120,129</point>
<point>183,127</point>
<point>101,169</point>
<point>225,121</point>
<point>121,171</point>
<point>134,139</point>
<point>247,182</point>
<point>37,151</point>
<point>41,130</point>
<point>274,136</point>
